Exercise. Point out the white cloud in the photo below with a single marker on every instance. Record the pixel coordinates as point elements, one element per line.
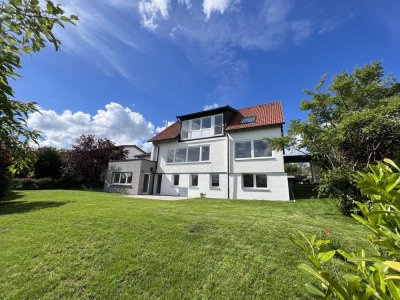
<point>210,6</point>
<point>150,10</point>
<point>116,122</point>
<point>210,106</point>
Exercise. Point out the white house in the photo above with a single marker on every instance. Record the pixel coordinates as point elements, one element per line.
<point>222,153</point>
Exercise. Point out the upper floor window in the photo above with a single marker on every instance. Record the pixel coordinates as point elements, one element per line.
<point>253,149</point>
<point>190,154</point>
<point>202,127</point>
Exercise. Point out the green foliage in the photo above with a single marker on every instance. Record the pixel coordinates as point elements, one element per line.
<point>48,163</point>
<point>25,28</point>
<point>369,277</point>
<point>5,175</point>
<point>351,123</point>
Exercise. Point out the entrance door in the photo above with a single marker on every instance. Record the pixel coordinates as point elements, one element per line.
<point>146,181</point>
<point>158,189</point>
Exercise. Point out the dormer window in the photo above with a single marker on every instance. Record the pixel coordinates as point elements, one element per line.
<point>248,120</point>
<point>208,126</point>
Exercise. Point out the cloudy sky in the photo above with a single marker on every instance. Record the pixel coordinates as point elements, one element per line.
<point>131,66</point>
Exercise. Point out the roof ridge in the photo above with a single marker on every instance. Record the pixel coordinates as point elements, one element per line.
<point>274,102</point>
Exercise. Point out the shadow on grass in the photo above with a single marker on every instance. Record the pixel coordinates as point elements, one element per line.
<point>11,205</point>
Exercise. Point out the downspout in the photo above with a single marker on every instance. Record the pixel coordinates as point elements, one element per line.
<point>155,171</point>
<point>229,162</point>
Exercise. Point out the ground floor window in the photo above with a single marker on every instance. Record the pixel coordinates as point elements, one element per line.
<point>176,179</point>
<point>255,180</point>
<point>122,178</point>
<point>214,180</point>
<point>194,180</point>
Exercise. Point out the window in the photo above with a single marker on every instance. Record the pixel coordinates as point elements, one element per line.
<point>190,154</point>
<point>253,149</point>
<point>248,120</point>
<point>194,154</point>
<point>261,180</point>
<point>194,180</point>
<point>219,123</point>
<point>248,180</point>
<point>205,153</point>
<point>196,124</point>
<point>243,149</point>
<point>255,181</point>
<point>122,178</point>
<point>180,155</point>
<point>185,129</point>
<point>202,127</point>
<point>170,157</point>
<point>206,122</point>
<point>262,148</point>
<point>176,179</point>
<point>214,180</point>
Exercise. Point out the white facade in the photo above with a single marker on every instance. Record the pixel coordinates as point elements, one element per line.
<point>266,172</point>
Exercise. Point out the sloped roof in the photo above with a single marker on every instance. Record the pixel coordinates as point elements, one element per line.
<point>265,114</point>
<point>170,132</point>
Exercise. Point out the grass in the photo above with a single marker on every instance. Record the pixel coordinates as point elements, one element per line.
<point>75,244</point>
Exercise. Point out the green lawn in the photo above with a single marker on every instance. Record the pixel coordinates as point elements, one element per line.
<point>74,244</point>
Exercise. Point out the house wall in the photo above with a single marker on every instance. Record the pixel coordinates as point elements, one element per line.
<point>273,167</point>
<point>138,167</point>
<point>277,182</point>
<point>217,163</point>
<point>132,152</point>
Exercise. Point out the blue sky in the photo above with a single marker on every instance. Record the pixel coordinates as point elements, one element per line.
<point>129,66</point>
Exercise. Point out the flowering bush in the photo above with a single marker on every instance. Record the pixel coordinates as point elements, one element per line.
<point>372,277</point>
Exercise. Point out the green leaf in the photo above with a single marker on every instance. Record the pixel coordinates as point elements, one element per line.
<point>314,291</point>
<point>326,256</point>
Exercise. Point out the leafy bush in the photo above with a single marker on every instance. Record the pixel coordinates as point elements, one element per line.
<point>48,163</point>
<point>35,184</point>
<point>368,277</point>
<point>5,175</point>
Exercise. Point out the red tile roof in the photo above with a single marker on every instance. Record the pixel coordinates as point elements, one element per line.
<point>170,132</point>
<point>265,114</point>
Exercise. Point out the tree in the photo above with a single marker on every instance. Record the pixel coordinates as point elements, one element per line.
<point>48,163</point>
<point>90,157</point>
<point>25,28</point>
<point>5,162</point>
<point>351,123</point>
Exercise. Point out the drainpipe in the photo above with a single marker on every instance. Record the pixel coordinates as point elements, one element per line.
<point>229,162</point>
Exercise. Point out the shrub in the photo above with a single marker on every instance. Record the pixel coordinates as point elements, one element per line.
<point>35,184</point>
<point>373,277</point>
<point>5,175</point>
<point>48,163</point>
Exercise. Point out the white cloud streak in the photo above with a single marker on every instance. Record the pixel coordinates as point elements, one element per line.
<point>210,6</point>
<point>210,106</point>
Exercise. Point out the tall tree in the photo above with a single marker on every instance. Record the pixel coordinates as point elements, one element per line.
<point>90,156</point>
<point>25,28</point>
<point>48,163</point>
<point>352,122</point>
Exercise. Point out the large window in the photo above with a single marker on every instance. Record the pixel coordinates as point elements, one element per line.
<point>180,155</point>
<point>202,127</point>
<point>193,154</point>
<point>214,180</point>
<point>255,181</point>
<point>122,178</point>
<point>243,149</point>
<point>262,148</point>
<point>205,153</point>
<point>194,180</point>
<point>253,149</point>
<point>190,154</point>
